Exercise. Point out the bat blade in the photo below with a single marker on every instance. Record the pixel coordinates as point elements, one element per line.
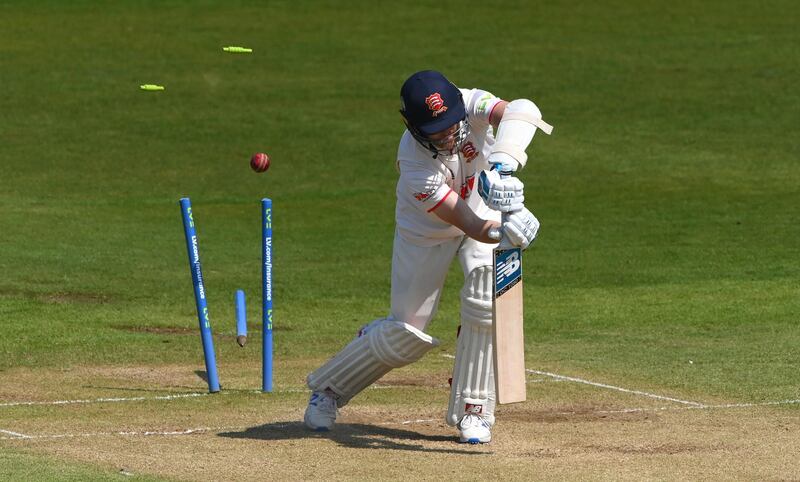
<point>507,311</point>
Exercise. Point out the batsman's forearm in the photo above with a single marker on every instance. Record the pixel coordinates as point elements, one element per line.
<point>480,229</point>
<point>490,232</point>
<point>455,211</point>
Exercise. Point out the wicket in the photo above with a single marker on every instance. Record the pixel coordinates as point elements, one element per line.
<point>266,293</point>
<point>241,318</point>
<point>200,295</point>
<point>241,323</point>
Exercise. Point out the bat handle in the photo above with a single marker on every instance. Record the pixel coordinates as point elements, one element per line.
<point>504,216</point>
<point>505,175</point>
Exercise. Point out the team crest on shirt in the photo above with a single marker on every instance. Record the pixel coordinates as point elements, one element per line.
<point>469,151</point>
<point>436,104</point>
<point>466,188</point>
<point>423,196</point>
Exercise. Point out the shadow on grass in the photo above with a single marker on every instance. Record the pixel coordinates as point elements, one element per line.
<point>354,435</point>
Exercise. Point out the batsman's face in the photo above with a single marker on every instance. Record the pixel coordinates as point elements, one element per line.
<point>446,140</point>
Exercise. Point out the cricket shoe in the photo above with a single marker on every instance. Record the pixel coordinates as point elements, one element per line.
<point>321,411</point>
<point>474,429</point>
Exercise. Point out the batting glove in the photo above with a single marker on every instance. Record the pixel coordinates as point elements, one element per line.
<point>520,228</point>
<point>503,162</point>
<point>501,194</point>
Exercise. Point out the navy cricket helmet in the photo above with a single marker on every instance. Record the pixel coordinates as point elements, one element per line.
<point>430,104</point>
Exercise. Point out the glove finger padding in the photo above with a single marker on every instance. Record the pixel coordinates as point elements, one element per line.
<point>521,228</point>
<point>501,194</point>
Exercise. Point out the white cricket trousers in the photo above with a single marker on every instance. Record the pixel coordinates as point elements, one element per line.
<point>418,274</point>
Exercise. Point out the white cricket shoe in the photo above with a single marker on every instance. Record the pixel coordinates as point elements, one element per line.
<point>321,411</point>
<point>474,429</point>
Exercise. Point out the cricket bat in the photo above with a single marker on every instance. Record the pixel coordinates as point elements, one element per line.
<point>509,342</point>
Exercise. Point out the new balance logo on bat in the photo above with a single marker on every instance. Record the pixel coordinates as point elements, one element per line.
<point>508,270</point>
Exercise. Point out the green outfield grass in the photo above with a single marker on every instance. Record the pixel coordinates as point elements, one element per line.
<point>668,194</point>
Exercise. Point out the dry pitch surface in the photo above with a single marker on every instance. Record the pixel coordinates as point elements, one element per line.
<point>158,421</point>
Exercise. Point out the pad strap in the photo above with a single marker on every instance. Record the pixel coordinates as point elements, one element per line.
<point>512,150</point>
<point>530,119</point>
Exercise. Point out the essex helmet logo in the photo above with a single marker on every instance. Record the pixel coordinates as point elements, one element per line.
<point>436,104</point>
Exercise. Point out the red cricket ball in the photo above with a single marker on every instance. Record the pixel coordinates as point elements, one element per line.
<point>259,162</point>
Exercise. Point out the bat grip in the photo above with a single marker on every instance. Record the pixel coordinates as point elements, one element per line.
<point>504,216</point>
<point>505,175</point>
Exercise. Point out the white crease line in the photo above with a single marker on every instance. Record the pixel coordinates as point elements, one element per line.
<point>612,387</point>
<point>553,376</point>
<point>409,422</point>
<point>162,397</point>
<point>307,390</point>
<point>759,404</point>
<point>601,385</point>
<point>172,433</point>
<point>150,433</point>
<point>698,407</point>
<point>103,400</point>
<point>15,435</point>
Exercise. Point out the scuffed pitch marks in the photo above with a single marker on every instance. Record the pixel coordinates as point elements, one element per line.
<point>574,413</point>
<point>10,292</point>
<point>138,378</point>
<point>364,415</point>
<point>254,330</point>
<point>540,454</point>
<point>57,297</point>
<point>428,381</point>
<point>191,330</point>
<point>666,448</point>
<point>67,297</point>
<point>159,330</point>
<point>101,381</point>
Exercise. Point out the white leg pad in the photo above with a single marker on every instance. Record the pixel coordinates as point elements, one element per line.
<point>380,346</point>
<point>473,389</point>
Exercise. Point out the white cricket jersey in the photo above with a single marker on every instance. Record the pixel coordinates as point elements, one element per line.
<point>426,182</point>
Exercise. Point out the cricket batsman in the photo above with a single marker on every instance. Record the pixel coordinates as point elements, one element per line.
<point>457,142</point>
